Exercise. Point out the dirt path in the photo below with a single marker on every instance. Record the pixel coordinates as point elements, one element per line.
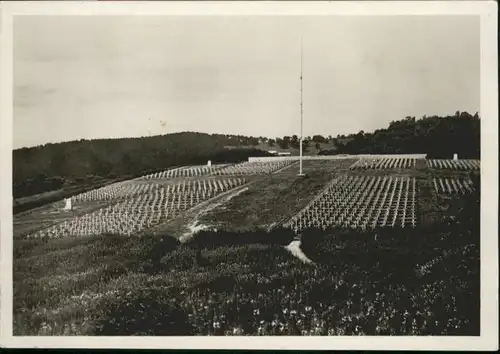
<point>195,225</point>
<point>294,248</point>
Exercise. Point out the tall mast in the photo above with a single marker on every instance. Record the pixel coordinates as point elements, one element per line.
<point>301,106</point>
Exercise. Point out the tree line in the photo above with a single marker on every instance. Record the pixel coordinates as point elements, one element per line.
<point>438,137</point>
<point>460,131</point>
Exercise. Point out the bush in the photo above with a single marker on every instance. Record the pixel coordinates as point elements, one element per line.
<point>211,239</point>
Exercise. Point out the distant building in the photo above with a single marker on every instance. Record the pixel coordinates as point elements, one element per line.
<point>284,153</point>
<point>274,152</point>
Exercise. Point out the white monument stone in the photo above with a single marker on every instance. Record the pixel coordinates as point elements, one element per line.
<point>455,157</point>
<point>68,204</point>
<point>209,163</point>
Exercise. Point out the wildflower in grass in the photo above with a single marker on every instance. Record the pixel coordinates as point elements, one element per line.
<point>237,331</point>
<point>45,329</point>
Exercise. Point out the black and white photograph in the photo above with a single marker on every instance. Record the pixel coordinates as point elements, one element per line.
<point>250,170</point>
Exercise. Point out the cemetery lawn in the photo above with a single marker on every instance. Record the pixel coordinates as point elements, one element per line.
<point>54,280</point>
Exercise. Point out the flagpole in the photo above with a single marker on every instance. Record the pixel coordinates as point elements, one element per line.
<point>301,107</point>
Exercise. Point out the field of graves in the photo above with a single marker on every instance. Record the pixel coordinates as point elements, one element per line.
<point>361,202</point>
<point>133,206</point>
<point>357,193</point>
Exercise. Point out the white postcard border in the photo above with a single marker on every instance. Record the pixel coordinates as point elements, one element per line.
<point>487,10</point>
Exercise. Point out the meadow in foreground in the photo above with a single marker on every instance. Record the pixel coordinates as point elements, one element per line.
<point>221,283</point>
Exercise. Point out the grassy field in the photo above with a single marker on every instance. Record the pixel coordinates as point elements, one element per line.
<point>53,278</point>
<point>117,286</point>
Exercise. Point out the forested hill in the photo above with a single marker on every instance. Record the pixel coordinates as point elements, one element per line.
<point>438,137</point>
<point>53,166</point>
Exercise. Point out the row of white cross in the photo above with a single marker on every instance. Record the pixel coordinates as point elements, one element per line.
<point>186,171</point>
<point>130,189</point>
<point>383,163</point>
<point>361,202</point>
<point>464,165</point>
<point>115,191</point>
<point>212,184</point>
<point>453,185</point>
<point>98,223</point>
<point>137,213</point>
<point>244,168</point>
<point>249,168</point>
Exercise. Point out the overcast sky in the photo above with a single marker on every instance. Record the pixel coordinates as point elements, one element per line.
<point>99,77</point>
